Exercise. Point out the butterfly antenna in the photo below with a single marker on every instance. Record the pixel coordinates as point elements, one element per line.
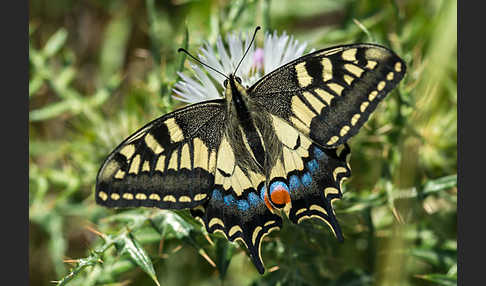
<point>198,61</point>
<point>247,49</point>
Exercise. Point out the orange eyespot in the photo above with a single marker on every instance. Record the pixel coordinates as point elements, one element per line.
<point>280,197</point>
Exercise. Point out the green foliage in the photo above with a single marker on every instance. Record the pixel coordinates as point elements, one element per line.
<point>100,70</point>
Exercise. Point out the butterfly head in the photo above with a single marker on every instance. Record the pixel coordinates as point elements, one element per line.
<point>233,78</point>
<point>234,87</point>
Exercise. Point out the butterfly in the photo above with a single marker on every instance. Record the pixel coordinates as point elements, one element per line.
<point>277,147</point>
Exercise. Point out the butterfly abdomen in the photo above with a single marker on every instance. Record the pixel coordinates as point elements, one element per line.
<point>245,123</point>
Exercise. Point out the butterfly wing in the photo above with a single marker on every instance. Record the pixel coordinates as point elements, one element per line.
<point>314,188</point>
<point>312,175</point>
<point>169,163</point>
<point>187,159</point>
<point>236,207</point>
<point>329,94</point>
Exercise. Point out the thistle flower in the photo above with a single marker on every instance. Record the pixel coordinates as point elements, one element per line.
<point>277,50</point>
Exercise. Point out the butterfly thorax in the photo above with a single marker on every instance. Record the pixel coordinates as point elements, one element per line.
<point>242,125</point>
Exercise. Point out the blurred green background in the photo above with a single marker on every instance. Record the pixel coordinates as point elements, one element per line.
<point>99,70</point>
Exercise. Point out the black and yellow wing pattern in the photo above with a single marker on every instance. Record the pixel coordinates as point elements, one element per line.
<point>321,100</point>
<point>310,174</point>
<point>329,94</point>
<point>169,163</point>
<point>280,145</point>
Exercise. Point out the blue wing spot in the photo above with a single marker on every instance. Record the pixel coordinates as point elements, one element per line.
<point>217,195</point>
<point>229,199</point>
<point>242,205</point>
<point>254,199</point>
<point>306,179</point>
<point>294,183</point>
<point>278,185</point>
<point>262,193</point>
<point>318,153</point>
<point>313,166</point>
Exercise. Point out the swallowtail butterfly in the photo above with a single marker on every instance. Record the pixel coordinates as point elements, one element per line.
<point>279,145</point>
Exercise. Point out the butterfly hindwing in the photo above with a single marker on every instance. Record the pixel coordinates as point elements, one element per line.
<point>169,163</point>
<point>314,189</point>
<point>329,94</point>
<point>236,207</point>
<point>312,175</point>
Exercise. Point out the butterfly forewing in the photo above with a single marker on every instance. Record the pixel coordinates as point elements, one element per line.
<point>169,163</point>
<point>329,94</point>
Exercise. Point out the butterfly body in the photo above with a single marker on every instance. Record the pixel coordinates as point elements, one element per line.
<point>241,126</point>
<point>277,145</point>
